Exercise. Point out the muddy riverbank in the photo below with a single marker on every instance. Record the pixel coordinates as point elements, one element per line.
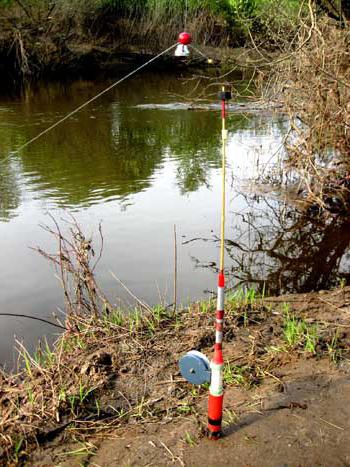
<point>119,397</point>
<point>24,63</point>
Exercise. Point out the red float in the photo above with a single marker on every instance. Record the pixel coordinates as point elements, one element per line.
<point>185,38</point>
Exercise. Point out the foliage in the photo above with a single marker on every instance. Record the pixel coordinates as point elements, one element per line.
<point>275,21</point>
<point>298,333</point>
<point>243,8</point>
<point>336,9</point>
<point>148,22</point>
<point>230,10</point>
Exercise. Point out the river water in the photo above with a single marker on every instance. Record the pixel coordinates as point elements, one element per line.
<point>139,168</point>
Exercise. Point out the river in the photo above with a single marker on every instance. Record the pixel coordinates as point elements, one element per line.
<point>139,169</point>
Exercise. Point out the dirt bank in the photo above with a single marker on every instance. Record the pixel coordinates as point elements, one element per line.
<point>21,62</point>
<point>111,394</point>
<point>302,423</point>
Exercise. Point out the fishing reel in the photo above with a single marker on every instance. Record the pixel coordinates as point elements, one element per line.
<point>195,368</point>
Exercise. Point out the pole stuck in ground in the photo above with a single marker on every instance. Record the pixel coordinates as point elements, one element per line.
<point>216,392</point>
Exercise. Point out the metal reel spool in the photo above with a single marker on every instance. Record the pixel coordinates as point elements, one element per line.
<point>195,367</point>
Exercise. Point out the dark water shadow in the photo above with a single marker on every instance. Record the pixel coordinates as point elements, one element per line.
<point>280,249</point>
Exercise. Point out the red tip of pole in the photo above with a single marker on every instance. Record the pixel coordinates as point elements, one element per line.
<point>215,416</point>
<point>185,38</point>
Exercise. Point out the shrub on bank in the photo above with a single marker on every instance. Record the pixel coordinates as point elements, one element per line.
<point>224,21</point>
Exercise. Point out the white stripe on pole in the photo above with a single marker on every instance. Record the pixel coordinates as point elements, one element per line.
<point>221,299</point>
<point>216,386</point>
<point>218,337</point>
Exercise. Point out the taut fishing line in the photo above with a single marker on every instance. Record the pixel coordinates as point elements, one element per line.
<point>85,104</point>
<point>35,318</point>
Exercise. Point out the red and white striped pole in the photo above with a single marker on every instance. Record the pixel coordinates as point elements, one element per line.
<point>216,392</point>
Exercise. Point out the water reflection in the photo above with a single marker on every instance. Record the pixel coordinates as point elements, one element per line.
<point>140,171</point>
<point>10,193</point>
<point>278,248</point>
<point>110,151</point>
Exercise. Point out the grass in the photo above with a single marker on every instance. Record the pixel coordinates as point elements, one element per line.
<point>184,409</point>
<point>84,392</point>
<point>247,304</point>
<point>298,333</point>
<point>190,439</point>
<point>27,360</point>
<point>230,417</point>
<point>17,449</point>
<point>243,297</point>
<point>334,350</point>
<point>86,449</point>
<point>234,374</point>
<point>206,306</point>
<point>44,355</point>
<point>240,375</point>
<point>116,317</point>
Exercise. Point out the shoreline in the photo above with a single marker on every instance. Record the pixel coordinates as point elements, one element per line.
<point>110,375</point>
<point>29,54</point>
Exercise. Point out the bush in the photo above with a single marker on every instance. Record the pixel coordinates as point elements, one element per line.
<point>316,94</point>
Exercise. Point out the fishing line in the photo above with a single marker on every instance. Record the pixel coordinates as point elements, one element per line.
<point>199,52</point>
<point>85,104</point>
<point>15,315</point>
<point>223,184</point>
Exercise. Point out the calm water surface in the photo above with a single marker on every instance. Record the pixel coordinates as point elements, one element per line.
<point>139,171</point>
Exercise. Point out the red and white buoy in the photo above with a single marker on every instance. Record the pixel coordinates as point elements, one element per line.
<point>184,40</point>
